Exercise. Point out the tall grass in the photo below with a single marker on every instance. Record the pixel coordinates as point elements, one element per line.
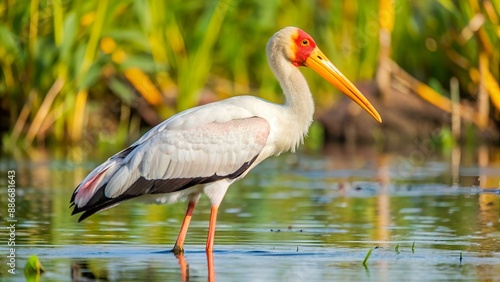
<point>456,39</point>
<point>81,71</point>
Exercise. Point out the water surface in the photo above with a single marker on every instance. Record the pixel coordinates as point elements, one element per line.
<point>298,217</point>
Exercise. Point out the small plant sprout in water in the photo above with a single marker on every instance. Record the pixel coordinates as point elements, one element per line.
<point>367,256</point>
<point>413,247</point>
<point>33,269</point>
<point>397,249</point>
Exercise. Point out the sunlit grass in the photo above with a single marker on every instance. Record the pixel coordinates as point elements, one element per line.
<point>65,63</point>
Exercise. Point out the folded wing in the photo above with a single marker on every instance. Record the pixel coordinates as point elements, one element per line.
<point>192,148</point>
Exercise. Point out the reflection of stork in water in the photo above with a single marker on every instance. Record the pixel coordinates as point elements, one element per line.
<point>207,148</point>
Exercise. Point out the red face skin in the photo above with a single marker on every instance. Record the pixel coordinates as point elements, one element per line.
<point>304,45</point>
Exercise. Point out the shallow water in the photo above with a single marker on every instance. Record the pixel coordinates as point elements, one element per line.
<point>298,217</point>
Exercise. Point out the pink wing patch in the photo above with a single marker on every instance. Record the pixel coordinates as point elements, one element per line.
<point>87,190</point>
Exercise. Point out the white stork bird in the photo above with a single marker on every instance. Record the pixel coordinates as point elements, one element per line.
<point>207,148</point>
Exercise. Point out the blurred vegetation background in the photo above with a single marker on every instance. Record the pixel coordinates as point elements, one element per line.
<point>93,73</point>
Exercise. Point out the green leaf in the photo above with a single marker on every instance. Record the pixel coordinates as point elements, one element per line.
<point>33,269</point>
<point>69,33</point>
<point>9,44</point>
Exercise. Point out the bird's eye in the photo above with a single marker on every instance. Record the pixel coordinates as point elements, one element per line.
<point>304,42</point>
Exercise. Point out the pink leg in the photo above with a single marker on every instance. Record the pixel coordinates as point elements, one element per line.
<point>211,229</point>
<point>179,244</point>
<point>210,265</point>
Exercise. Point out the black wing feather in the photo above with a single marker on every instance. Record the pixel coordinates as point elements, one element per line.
<point>143,186</point>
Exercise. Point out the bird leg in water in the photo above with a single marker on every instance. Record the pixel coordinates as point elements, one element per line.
<point>179,244</point>
<point>210,266</point>
<point>211,229</point>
